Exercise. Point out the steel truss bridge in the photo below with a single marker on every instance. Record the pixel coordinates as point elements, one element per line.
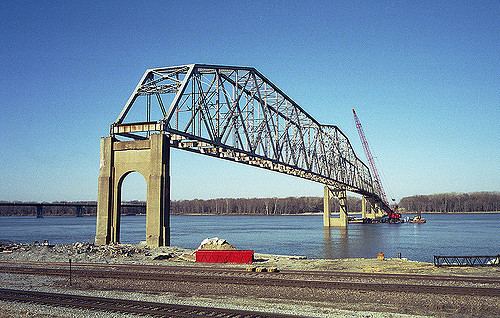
<point>236,113</point>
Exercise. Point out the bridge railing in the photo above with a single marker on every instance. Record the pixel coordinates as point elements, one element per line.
<point>236,113</point>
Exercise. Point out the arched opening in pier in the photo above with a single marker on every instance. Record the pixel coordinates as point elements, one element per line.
<point>132,190</point>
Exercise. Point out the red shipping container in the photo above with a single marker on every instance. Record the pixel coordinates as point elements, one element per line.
<point>225,256</point>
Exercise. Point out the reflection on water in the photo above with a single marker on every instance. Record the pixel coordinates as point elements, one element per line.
<point>327,242</point>
<point>335,241</point>
<point>292,235</point>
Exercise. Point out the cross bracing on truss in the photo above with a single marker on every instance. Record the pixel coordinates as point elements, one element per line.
<point>236,113</point>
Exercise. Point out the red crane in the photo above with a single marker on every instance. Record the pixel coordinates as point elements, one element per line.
<point>368,153</point>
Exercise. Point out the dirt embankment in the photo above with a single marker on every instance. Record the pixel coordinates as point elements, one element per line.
<point>307,300</point>
<point>141,254</point>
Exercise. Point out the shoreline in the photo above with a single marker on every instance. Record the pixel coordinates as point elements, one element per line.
<point>270,215</point>
<point>85,252</point>
<point>170,275</point>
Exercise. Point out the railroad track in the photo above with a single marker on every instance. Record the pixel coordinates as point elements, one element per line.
<point>240,278</point>
<point>128,306</point>
<point>203,270</point>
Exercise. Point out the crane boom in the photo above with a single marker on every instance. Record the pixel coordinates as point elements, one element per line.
<point>368,153</point>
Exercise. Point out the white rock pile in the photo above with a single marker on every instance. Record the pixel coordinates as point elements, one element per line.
<point>215,243</point>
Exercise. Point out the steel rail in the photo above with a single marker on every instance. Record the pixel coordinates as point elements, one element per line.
<point>154,309</point>
<point>258,281</point>
<point>286,273</point>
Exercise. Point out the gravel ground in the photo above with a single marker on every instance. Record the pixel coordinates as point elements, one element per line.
<point>14,310</point>
<point>285,306</point>
<point>9,309</point>
<point>140,254</point>
<point>320,303</point>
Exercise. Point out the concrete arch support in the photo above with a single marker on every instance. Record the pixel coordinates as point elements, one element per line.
<point>341,196</point>
<point>149,157</point>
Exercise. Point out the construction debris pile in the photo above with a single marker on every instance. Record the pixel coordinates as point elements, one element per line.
<point>88,252</point>
<point>10,247</point>
<point>105,250</point>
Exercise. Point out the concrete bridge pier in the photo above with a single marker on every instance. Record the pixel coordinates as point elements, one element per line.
<point>39,211</point>
<point>363,207</point>
<point>79,211</point>
<point>370,209</point>
<point>373,209</point>
<point>341,195</point>
<point>150,158</point>
<point>378,211</point>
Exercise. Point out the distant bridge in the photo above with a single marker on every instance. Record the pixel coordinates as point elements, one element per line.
<point>78,207</point>
<point>229,112</point>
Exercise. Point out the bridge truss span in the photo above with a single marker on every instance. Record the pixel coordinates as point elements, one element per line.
<point>236,113</point>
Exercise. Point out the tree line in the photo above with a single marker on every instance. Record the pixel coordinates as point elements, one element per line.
<point>266,206</point>
<point>452,202</point>
<point>261,206</point>
<point>445,202</point>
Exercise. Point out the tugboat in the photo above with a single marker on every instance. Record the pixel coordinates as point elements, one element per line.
<point>418,219</point>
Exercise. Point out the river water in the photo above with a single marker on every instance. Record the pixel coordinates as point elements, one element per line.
<point>453,234</point>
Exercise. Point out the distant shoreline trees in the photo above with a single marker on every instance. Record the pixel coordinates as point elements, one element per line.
<point>452,202</point>
<point>444,203</point>
<point>260,206</point>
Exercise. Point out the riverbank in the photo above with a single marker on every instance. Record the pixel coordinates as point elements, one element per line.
<point>30,214</point>
<point>304,287</point>
<point>141,254</point>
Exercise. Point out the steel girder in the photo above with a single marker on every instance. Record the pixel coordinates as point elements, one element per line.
<point>236,113</point>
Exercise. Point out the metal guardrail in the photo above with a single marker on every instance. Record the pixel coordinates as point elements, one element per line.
<point>467,260</point>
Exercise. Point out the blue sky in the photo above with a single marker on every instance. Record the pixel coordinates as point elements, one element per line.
<point>424,77</point>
